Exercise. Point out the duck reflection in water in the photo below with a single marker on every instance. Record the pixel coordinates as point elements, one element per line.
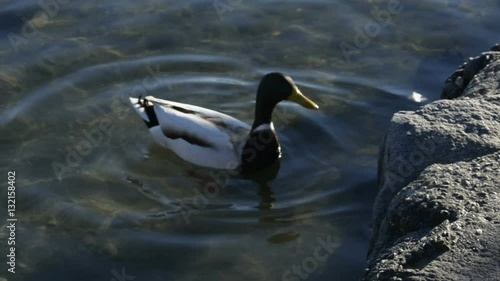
<point>263,179</point>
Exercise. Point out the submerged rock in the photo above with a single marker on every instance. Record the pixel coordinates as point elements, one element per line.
<point>436,216</point>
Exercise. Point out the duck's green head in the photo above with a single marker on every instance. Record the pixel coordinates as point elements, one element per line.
<point>275,87</point>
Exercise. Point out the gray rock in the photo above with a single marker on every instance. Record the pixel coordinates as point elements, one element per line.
<point>443,226</point>
<point>475,76</point>
<point>436,215</point>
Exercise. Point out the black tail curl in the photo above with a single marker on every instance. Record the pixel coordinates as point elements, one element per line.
<point>149,110</point>
<point>143,102</point>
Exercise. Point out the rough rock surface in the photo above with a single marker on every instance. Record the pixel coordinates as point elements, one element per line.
<point>436,216</point>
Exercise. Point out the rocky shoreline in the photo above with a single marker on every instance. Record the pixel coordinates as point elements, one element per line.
<point>437,214</point>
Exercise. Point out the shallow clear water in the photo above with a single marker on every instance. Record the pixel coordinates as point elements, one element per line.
<point>124,205</point>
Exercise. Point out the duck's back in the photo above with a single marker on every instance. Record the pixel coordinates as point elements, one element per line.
<point>198,135</point>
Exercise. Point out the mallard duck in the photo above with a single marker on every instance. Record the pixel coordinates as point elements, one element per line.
<point>212,139</point>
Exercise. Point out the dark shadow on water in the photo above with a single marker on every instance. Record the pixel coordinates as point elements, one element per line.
<point>434,69</point>
<point>265,175</point>
<point>267,197</point>
<point>263,179</point>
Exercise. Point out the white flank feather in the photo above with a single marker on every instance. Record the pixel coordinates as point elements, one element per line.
<point>222,133</point>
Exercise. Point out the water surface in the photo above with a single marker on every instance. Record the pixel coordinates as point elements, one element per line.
<point>124,204</point>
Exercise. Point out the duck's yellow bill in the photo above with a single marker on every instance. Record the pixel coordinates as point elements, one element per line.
<point>299,98</point>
